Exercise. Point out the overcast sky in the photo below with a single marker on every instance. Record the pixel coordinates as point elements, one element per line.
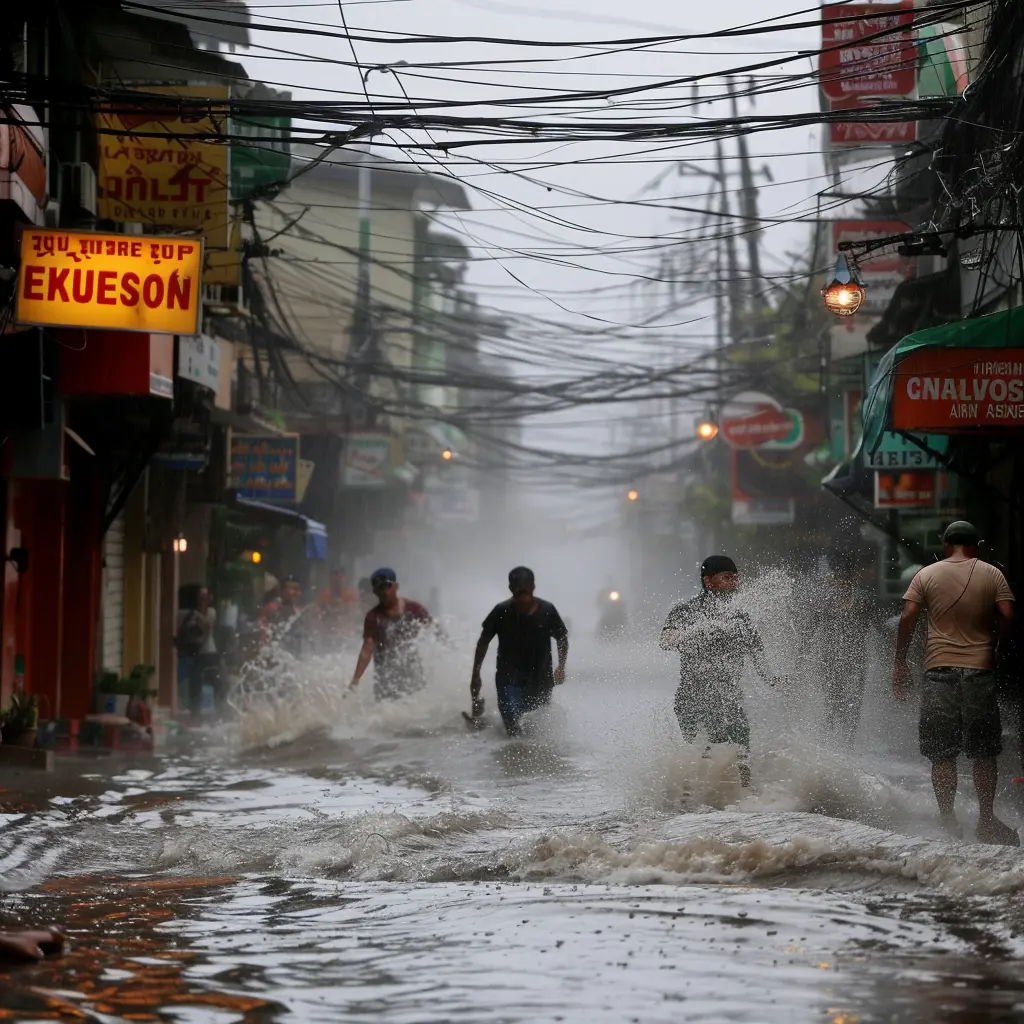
<point>574,213</point>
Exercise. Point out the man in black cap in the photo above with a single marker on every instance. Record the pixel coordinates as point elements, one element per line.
<point>525,626</point>
<point>963,599</point>
<point>714,638</point>
<point>390,632</point>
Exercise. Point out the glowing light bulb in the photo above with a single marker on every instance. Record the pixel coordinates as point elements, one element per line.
<point>844,295</point>
<point>707,431</point>
<point>613,596</point>
<point>632,495</point>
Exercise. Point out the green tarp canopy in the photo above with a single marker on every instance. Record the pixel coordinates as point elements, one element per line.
<point>997,330</point>
<point>943,54</point>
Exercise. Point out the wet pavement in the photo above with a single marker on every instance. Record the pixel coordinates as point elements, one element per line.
<point>327,859</point>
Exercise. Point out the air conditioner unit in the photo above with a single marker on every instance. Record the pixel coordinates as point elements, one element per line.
<point>78,189</point>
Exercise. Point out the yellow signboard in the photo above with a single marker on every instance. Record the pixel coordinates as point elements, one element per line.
<point>118,282</point>
<point>161,164</point>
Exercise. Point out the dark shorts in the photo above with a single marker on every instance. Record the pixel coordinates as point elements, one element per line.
<point>718,714</point>
<point>959,713</point>
<point>515,701</point>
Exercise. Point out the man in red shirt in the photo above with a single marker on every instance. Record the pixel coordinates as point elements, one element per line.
<point>390,632</point>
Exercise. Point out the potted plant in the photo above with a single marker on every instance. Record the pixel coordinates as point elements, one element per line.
<point>20,722</point>
<point>113,691</point>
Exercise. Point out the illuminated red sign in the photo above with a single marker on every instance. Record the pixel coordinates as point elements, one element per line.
<point>758,429</point>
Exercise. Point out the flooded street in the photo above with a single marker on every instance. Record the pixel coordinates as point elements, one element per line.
<point>511,512</point>
<point>394,866</point>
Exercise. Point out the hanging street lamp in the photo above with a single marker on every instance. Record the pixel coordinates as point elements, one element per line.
<point>844,294</point>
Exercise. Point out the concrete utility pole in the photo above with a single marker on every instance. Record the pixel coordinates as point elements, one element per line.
<point>748,205</point>
<point>733,284</point>
<point>364,340</point>
<point>361,323</point>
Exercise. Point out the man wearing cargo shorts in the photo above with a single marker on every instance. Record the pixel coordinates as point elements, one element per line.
<point>963,599</point>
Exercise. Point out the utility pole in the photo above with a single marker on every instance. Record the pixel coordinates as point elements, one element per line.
<point>732,264</point>
<point>363,333</point>
<point>748,203</point>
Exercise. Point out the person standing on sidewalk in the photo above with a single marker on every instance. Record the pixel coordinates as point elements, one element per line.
<point>962,597</point>
<point>194,640</point>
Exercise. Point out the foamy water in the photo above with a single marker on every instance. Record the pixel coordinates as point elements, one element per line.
<point>326,850</point>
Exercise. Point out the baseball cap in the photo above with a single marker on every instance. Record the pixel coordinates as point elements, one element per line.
<point>383,576</point>
<point>960,532</point>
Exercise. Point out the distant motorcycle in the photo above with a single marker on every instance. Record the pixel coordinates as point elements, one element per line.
<point>612,618</point>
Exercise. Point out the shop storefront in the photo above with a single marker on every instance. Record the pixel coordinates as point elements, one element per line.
<point>956,392</point>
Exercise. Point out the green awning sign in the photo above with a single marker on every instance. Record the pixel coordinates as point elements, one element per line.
<point>1004,329</point>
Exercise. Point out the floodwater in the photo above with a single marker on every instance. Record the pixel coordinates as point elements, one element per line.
<point>329,859</point>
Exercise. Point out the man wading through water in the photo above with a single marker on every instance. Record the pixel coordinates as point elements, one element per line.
<point>525,627</point>
<point>713,639</point>
<point>390,632</point>
<point>963,597</point>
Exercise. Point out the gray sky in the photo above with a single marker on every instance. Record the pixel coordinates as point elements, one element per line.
<point>573,213</point>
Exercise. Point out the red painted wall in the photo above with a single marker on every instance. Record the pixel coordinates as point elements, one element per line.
<point>115,362</point>
<point>33,607</point>
<point>45,594</point>
<point>81,594</point>
<point>12,537</point>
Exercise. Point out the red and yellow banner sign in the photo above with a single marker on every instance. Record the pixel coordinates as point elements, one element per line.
<point>950,390</point>
<point>124,282</point>
<point>163,164</point>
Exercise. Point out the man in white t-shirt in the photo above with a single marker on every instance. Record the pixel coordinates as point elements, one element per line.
<point>963,598</point>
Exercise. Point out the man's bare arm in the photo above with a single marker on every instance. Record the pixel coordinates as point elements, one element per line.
<point>478,661</point>
<point>562,644</point>
<point>904,635</point>
<point>363,661</point>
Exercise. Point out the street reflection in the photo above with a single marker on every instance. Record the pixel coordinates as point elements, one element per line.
<point>120,963</point>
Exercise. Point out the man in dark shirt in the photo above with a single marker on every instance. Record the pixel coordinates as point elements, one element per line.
<point>714,639</point>
<point>390,632</point>
<point>525,626</point>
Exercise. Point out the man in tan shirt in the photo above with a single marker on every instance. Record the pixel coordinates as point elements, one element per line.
<point>963,597</point>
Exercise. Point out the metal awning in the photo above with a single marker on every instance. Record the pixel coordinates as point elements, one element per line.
<point>851,479</point>
<point>316,533</point>
<point>997,330</point>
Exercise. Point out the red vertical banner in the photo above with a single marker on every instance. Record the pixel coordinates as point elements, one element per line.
<point>868,55</point>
